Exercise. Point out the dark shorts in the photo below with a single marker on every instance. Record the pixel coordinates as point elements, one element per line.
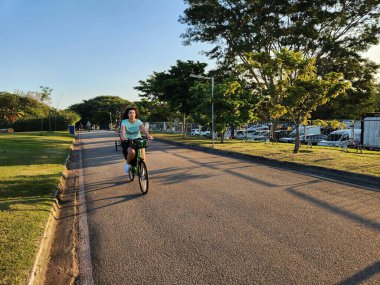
<point>125,145</point>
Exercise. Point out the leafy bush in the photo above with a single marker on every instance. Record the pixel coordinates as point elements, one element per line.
<point>59,122</point>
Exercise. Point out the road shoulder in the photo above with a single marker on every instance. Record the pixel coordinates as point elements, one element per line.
<point>62,267</point>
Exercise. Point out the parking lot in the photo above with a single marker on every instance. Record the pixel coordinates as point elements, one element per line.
<point>342,134</point>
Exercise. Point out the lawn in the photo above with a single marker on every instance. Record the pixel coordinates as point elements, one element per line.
<point>367,162</point>
<point>30,169</point>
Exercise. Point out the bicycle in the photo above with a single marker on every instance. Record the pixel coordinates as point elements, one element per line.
<point>140,168</point>
<point>117,133</point>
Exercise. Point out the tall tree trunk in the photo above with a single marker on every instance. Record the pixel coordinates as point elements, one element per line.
<point>273,129</point>
<point>42,125</point>
<point>183,125</point>
<point>297,139</point>
<point>222,137</point>
<point>55,121</point>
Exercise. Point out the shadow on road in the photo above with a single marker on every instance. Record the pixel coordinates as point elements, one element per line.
<point>329,206</point>
<point>227,170</point>
<point>120,199</point>
<point>374,225</point>
<point>98,186</point>
<point>363,275</point>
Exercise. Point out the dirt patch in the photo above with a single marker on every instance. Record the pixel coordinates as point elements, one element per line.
<point>62,265</point>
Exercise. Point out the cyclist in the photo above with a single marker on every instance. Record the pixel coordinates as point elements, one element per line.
<point>131,129</point>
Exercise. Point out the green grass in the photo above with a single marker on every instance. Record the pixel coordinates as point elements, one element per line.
<point>30,169</point>
<point>367,162</point>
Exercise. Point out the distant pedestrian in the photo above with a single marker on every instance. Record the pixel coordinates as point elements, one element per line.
<point>88,125</point>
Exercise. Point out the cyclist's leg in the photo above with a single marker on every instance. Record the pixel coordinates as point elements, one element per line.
<point>143,154</point>
<point>131,155</point>
<point>128,151</point>
<point>125,146</point>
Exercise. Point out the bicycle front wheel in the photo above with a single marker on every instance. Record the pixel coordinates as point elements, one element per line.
<point>131,173</point>
<point>143,177</point>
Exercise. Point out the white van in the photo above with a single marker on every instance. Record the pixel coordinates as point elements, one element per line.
<point>341,138</point>
<point>310,130</point>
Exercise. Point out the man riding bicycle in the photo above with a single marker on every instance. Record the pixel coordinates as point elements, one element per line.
<point>130,130</point>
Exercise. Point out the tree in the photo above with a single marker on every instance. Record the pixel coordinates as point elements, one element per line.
<point>101,118</point>
<point>297,89</point>
<point>360,99</point>
<point>69,116</point>
<point>155,111</point>
<point>31,105</point>
<point>333,32</point>
<point>173,87</point>
<point>10,107</point>
<point>44,97</point>
<point>234,105</point>
<point>110,104</point>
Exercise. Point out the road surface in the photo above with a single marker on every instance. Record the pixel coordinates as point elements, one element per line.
<point>208,219</point>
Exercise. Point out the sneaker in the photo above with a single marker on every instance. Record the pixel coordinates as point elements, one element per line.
<point>126,167</point>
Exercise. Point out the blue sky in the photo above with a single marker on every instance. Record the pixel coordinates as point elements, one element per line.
<point>86,48</point>
<point>83,48</point>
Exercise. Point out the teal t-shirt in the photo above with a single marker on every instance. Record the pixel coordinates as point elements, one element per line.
<point>132,130</point>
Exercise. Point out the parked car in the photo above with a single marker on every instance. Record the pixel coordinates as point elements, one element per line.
<point>258,135</point>
<point>195,132</point>
<point>198,132</point>
<point>310,130</point>
<point>281,134</point>
<point>262,136</point>
<point>341,137</point>
<point>313,139</point>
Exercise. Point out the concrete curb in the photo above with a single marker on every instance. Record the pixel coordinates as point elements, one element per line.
<point>364,180</point>
<point>37,273</point>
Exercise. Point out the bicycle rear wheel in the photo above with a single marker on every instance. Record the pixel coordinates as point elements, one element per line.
<point>143,177</point>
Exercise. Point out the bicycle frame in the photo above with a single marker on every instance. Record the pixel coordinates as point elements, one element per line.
<point>138,158</point>
<point>140,169</point>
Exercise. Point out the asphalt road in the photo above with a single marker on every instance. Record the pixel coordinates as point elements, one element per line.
<point>208,219</point>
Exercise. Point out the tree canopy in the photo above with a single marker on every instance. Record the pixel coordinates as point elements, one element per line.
<point>13,106</point>
<point>322,28</point>
<point>110,104</point>
<point>234,105</point>
<point>173,86</point>
<point>335,33</point>
<point>23,110</point>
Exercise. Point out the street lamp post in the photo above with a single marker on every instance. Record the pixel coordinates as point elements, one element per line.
<point>212,102</point>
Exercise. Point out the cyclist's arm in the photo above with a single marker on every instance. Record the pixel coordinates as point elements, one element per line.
<point>145,132</point>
